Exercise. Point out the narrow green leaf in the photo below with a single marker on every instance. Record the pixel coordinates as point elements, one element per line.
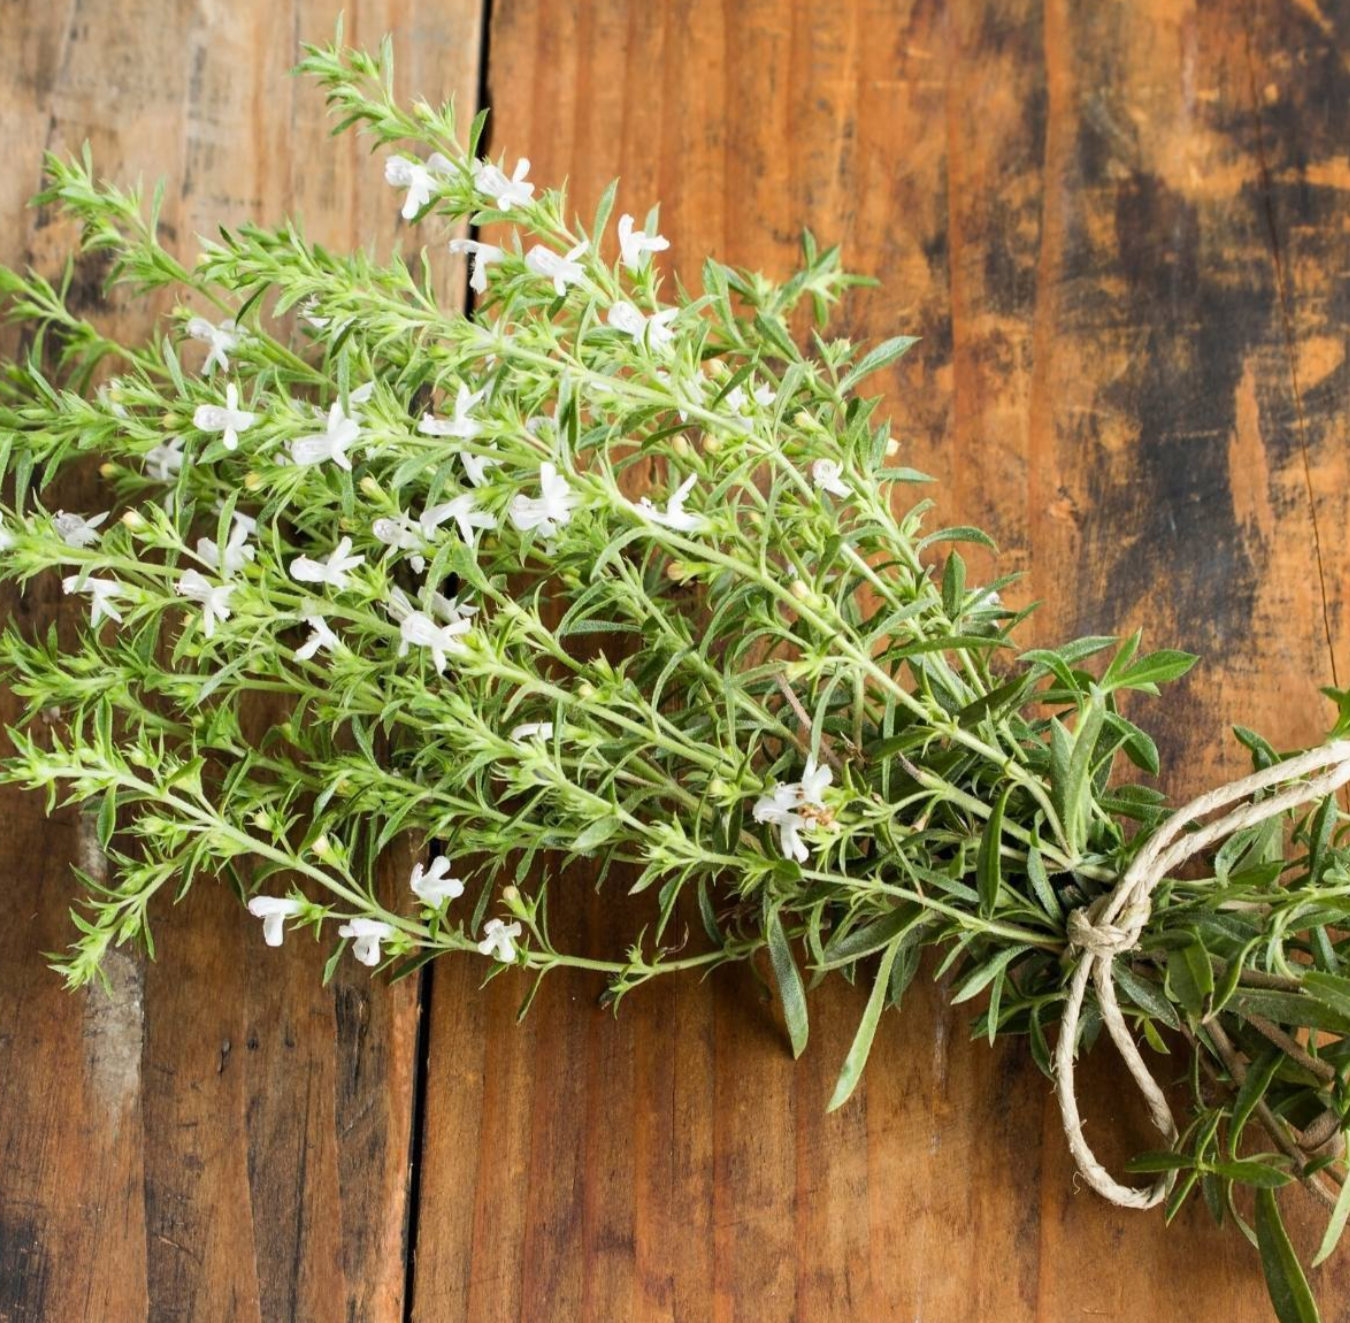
<point>1289,1008</point>
<point>1335,1227</point>
<point>1285,1281</point>
<point>789,979</point>
<point>855,943</point>
<point>862,1040</point>
<point>1145,994</point>
<point>989,861</point>
<point>1040,884</point>
<point>961,533</point>
<point>1330,989</point>
<point>875,359</point>
<point>1190,978</point>
<point>1251,1172</point>
<point>1259,1075</point>
<point>601,830</point>
<point>1156,668</point>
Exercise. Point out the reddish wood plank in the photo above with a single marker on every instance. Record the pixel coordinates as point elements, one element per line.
<point>1066,203</point>
<point>236,1139</point>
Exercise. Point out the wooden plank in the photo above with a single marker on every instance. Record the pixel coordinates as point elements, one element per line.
<point>233,1139</point>
<point>1066,203</point>
<point>1162,482</point>
<point>1298,85</point>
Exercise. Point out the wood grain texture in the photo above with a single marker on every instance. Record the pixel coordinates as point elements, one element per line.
<point>222,1138</point>
<point>1121,231</point>
<point>1076,206</point>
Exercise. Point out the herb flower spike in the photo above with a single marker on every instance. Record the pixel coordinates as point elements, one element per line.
<point>764,687</point>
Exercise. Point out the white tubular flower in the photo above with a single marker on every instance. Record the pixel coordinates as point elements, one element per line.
<point>237,552</point>
<point>274,911</point>
<point>825,474</point>
<point>491,181</point>
<point>419,630</point>
<point>309,310</point>
<point>562,270</point>
<point>476,466</point>
<point>532,730</point>
<point>228,419</point>
<point>674,515</point>
<point>623,316</point>
<point>481,256</point>
<point>332,443</point>
<point>320,637</point>
<point>465,511</point>
<point>213,597</point>
<point>332,571</point>
<point>361,395</point>
<point>463,425</point>
<point>548,511</point>
<point>780,808</point>
<point>449,610</point>
<point>419,179</point>
<point>764,395</point>
<point>101,593</point>
<point>366,935</point>
<point>77,531</point>
<point>6,538</point>
<point>162,462</point>
<point>814,783</point>
<point>777,809</point>
<point>433,885</point>
<point>403,535</point>
<point>634,244</point>
<point>223,339</point>
<point>499,940</point>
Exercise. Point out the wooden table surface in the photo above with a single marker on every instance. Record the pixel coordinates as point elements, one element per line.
<point>1122,230</point>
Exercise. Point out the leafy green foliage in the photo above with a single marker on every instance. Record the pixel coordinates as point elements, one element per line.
<point>768,695</point>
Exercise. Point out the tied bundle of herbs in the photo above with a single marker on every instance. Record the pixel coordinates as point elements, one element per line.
<point>775,702</point>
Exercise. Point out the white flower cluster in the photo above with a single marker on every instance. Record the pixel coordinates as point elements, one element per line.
<point>437,625</point>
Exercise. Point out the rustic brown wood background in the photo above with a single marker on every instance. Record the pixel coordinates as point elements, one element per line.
<point>1123,230</point>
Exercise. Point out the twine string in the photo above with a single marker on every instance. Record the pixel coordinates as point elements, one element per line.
<point>1112,926</point>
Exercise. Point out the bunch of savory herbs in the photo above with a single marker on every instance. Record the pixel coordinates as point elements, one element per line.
<point>419,534</point>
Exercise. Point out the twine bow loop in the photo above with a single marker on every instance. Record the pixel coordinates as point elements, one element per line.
<point>1112,925</point>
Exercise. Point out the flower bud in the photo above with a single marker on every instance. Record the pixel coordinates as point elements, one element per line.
<point>892,447</point>
<point>370,486</point>
<point>801,590</point>
<point>107,470</point>
<point>169,421</point>
<point>511,894</point>
<point>680,445</point>
<point>252,481</point>
<point>585,690</point>
<point>322,846</point>
<point>711,445</point>
<point>677,571</point>
<point>133,519</point>
<point>718,788</point>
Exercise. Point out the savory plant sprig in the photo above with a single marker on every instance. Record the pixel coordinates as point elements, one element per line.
<point>593,572</point>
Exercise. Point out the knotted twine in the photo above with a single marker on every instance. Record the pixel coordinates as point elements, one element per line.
<point>1112,926</point>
